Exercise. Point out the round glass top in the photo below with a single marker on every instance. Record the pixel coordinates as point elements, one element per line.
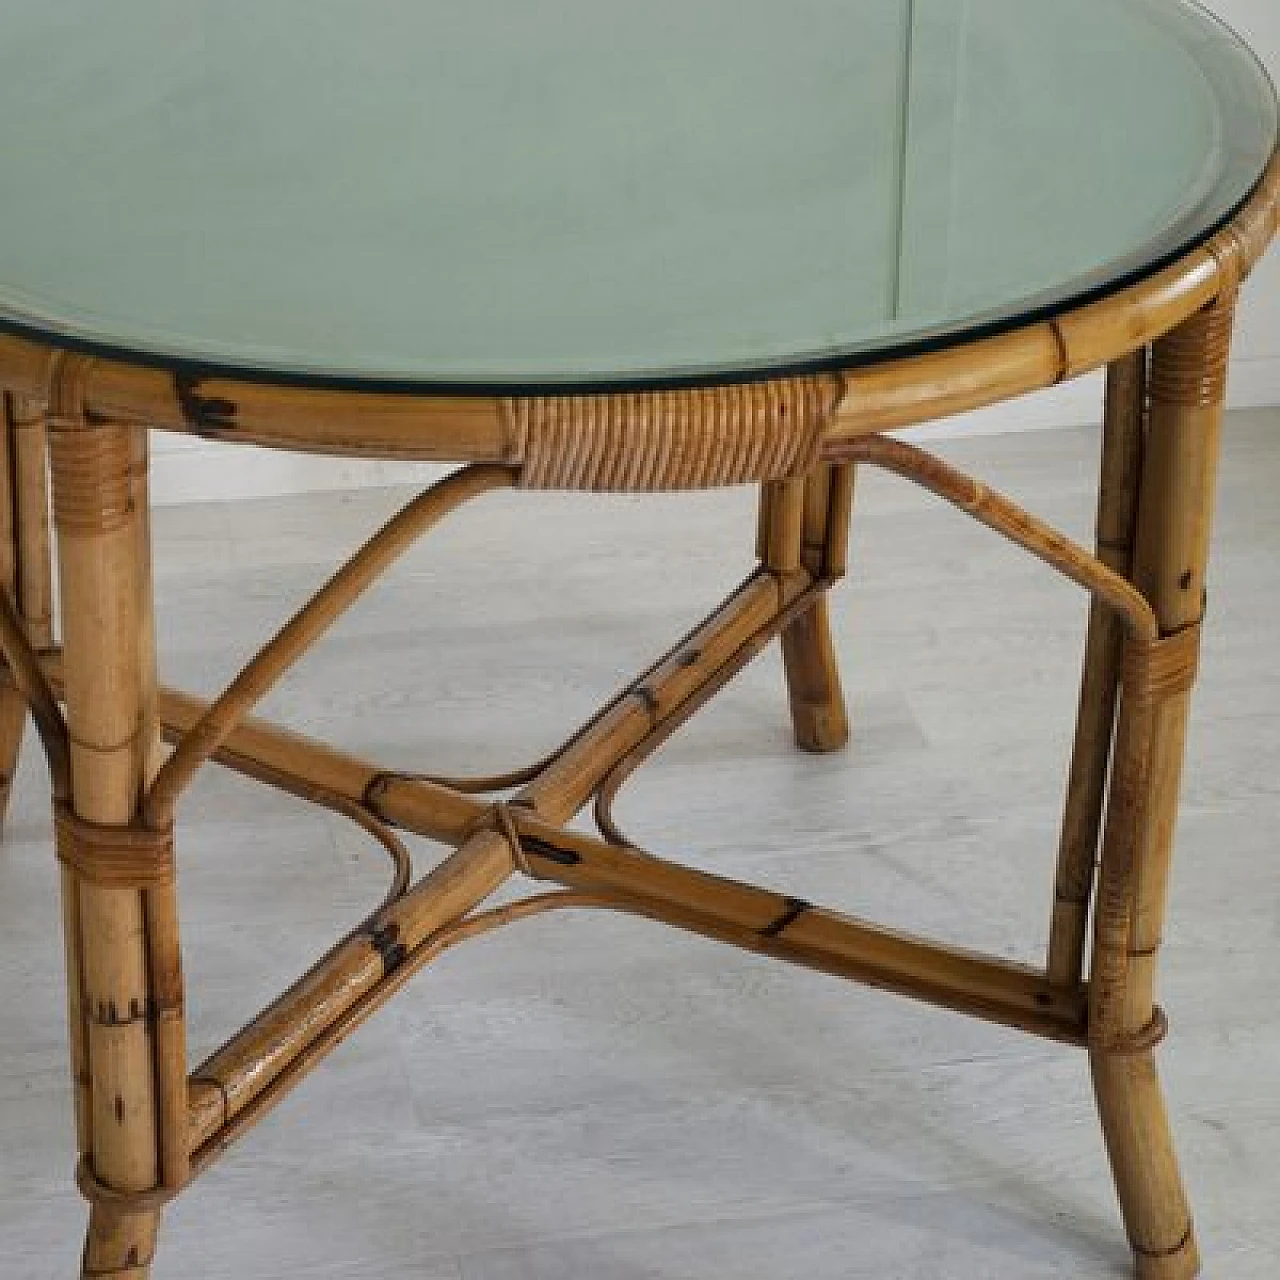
<point>497,195</point>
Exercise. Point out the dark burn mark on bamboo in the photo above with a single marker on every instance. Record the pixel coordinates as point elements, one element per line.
<point>119,1109</point>
<point>386,942</point>
<point>205,415</point>
<point>107,1013</point>
<point>1186,580</point>
<point>690,658</point>
<point>796,907</point>
<point>648,698</point>
<point>553,853</point>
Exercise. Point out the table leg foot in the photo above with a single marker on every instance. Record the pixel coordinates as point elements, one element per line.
<point>813,682</point>
<point>1140,1146</point>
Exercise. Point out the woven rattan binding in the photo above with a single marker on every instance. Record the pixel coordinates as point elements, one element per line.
<point>1164,668</point>
<point>1191,368</point>
<point>132,857</point>
<point>91,467</point>
<point>671,440</point>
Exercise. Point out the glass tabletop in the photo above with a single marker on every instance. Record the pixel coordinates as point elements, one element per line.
<point>495,195</point>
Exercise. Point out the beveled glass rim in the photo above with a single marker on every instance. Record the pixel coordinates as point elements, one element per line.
<point>1180,240</point>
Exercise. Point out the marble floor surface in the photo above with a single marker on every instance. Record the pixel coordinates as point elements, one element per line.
<point>597,1098</point>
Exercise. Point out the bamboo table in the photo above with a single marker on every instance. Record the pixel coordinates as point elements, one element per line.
<point>607,247</point>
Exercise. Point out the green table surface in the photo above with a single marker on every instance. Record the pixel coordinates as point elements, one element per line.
<point>501,195</point>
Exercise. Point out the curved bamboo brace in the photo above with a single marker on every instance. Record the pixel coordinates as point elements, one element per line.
<point>1012,522</point>
<point>26,672</point>
<point>752,647</point>
<point>262,672</point>
<point>371,824</point>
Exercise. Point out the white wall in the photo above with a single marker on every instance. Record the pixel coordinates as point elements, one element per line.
<point>187,470</point>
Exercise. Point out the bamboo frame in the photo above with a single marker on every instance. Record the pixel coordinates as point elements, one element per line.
<point>806,524</point>
<point>24,557</point>
<point>131,986</point>
<point>1175,513</point>
<point>146,1126</point>
<point>1122,438</point>
<point>13,706</point>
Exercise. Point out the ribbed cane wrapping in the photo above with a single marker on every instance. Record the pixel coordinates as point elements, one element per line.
<point>90,465</point>
<point>1161,670</point>
<point>114,857</point>
<point>1190,364</point>
<point>667,440</point>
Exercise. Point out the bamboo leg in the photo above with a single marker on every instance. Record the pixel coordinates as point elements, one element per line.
<point>127,944</point>
<point>24,555</point>
<point>1188,376</point>
<point>1091,755</point>
<point>13,707</point>
<point>805,524</point>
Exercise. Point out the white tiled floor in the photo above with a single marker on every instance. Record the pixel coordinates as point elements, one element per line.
<point>598,1099</point>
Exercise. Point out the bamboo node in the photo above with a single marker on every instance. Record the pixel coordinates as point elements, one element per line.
<point>1161,669</point>
<point>385,940</point>
<point>132,857</point>
<point>1144,1040</point>
<point>149,1011</point>
<point>1183,1244</point>
<point>646,442</point>
<point>647,698</point>
<point>96,1192</point>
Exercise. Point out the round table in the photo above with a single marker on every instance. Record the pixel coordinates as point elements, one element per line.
<point>582,245</point>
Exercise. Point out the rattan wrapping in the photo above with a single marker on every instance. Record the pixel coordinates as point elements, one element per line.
<point>671,440</point>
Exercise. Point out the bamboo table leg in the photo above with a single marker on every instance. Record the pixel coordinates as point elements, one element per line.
<point>24,556</point>
<point>1122,431</point>
<point>13,706</point>
<point>122,938</point>
<point>805,524</point>
<point>1188,375</point>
